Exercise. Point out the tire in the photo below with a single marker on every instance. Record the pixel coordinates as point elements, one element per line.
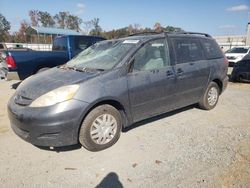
<point>212,91</point>
<point>42,69</point>
<point>240,78</point>
<point>98,131</point>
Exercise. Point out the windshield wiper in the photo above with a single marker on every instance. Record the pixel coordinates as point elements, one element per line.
<point>81,69</point>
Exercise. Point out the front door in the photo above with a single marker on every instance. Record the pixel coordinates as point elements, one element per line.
<point>151,80</point>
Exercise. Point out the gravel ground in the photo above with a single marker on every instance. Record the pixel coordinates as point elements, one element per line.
<point>187,148</point>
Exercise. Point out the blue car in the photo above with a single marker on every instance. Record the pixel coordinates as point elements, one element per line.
<point>115,83</point>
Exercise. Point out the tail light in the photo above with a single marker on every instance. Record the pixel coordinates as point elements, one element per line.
<point>11,62</point>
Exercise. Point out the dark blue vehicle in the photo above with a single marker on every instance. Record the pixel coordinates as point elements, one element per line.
<point>115,83</point>
<point>23,64</point>
<point>241,70</point>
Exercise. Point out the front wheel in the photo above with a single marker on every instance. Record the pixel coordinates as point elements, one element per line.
<point>101,128</point>
<point>210,97</point>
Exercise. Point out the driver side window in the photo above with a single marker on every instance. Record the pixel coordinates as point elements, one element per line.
<point>151,56</point>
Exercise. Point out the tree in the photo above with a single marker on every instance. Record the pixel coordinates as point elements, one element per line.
<point>97,28</point>
<point>73,22</point>
<point>88,25</point>
<point>45,19</point>
<point>157,27</point>
<point>4,28</point>
<point>33,14</point>
<point>172,29</point>
<point>61,18</point>
<point>66,20</point>
<point>20,36</point>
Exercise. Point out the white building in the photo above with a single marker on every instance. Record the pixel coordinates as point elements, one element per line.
<point>229,41</point>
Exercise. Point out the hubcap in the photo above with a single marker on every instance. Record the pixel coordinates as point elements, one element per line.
<point>103,129</point>
<point>212,96</point>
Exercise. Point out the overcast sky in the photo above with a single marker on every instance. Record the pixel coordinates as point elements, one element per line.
<point>216,17</point>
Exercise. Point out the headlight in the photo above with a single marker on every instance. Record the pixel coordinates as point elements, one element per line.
<point>240,57</point>
<point>56,96</point>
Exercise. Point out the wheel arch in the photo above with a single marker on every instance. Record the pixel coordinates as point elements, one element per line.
<point>219,83</point>
<point>113,102</point>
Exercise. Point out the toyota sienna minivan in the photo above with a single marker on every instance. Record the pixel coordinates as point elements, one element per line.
<point>115,83</point>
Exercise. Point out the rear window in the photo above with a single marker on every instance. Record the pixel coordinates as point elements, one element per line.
<point>81,43</point>
<point>212,49</point>
<point>60,44</point>
<point>187,49</point>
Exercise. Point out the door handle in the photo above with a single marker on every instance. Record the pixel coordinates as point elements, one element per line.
<point>169,73</point>
<point>179,71</point>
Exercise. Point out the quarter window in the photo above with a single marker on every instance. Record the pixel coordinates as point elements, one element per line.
<point>212,49</point>
<point>151,56</point>
<point>187,50</point>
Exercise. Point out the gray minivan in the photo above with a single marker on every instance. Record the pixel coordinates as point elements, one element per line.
<point>115,83</point>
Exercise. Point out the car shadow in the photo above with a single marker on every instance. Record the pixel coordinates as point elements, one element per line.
<point>15,85</point>
<point>133,126</point>
<point>155,118</point>
<point>61,149</point>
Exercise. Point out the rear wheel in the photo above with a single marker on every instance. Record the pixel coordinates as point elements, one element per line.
<point>101,128</point>
<point>210,97</point>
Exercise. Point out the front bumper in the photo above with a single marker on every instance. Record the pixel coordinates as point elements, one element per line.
<point>56,126</point>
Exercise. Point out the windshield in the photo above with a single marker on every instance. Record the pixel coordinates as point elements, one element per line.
<point>238,50</point>
<point>103,55</point>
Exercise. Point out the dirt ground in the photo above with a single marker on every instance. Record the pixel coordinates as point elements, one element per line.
<point>186,148</point>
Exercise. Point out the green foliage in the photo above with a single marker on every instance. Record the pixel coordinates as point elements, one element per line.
<point>46,19</point>
<point>61,18</point>
<point>4,28</point>
<point>133,29</point>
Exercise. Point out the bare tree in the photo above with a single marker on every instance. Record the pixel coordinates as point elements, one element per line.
<point>88,25</point>
<point>34,17</point>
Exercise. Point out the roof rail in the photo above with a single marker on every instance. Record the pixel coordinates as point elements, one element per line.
<point>184,32</point>
<point>192,33</point>
<point>146,33</point>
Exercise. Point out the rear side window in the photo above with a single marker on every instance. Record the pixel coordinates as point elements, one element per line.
<point>81,43</point>
<point>1,46</point>
<point>212,50</point>
<point>60,44</point>
<point>187,49</point>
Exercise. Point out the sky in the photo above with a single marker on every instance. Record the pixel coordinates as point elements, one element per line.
<point>216,17</point>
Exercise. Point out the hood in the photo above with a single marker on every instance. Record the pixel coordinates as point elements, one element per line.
<point>234,56</point>
<point>41,83</point>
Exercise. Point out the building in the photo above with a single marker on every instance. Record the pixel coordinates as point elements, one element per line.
<point>229,41</point>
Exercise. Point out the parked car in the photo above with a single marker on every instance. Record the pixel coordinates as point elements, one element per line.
<point>236,54</point>
<point>3,66</point>
<point>3,69</point>
<point>23,64</point>
<point>241,70</point>
<point>115,83</point>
